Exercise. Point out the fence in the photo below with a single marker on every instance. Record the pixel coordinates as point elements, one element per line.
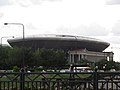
<point>60,81</point>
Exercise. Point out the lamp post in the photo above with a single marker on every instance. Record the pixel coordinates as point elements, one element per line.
<point>22,70</point>
<point>22,38</point>
<point>5,37</point>
<point>17,24</point>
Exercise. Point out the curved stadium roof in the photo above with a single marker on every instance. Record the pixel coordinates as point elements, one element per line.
<point>65,42</point>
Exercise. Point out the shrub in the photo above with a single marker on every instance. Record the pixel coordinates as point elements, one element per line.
<point>16,69</point>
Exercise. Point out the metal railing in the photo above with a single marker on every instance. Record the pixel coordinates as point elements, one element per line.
<point>60,81</point>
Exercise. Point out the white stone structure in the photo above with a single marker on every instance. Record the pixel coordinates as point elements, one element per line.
<point>83,54</point>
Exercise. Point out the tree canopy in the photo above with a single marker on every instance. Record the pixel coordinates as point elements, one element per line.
<point>10,57</point>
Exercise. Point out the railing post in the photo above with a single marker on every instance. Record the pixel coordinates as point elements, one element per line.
<point>22,79</point>
<point>95,81</point>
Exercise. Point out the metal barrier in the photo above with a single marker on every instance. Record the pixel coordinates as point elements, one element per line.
<point>60,81</point>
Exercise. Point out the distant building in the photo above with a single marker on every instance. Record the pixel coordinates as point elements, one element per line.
<point>83,54</point>
<point>78,47</point>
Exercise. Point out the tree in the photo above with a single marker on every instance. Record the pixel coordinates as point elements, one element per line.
<point>15,57</point>
<point>106,65</point>
<point>50,58</point>
<point>3,58</point>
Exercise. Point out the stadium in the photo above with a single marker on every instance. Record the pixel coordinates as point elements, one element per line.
<point>78,47</point>
<point>65,42</point>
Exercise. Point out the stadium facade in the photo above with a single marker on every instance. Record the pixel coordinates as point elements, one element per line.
<point>78,47</point>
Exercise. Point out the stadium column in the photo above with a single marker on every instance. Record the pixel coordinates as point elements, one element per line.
<point>69,58</point>
<point>78,57</point>
<point>73,58</point>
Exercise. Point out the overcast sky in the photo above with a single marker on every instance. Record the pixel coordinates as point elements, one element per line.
<point>93,18</point>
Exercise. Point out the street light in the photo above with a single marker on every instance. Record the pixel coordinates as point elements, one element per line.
<point>23,39</point>
<point>5,37</point>
<point>17,24</point>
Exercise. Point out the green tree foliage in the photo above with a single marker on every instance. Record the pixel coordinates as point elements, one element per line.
<point>3,58</point>
<point>28,57</point>
<point>10,57</point>
<point>50,58</point>
<point>15,57</point>
<point>16,69</point>
<point>107,65</point>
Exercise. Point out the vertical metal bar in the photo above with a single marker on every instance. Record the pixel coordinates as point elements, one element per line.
<point>12,85</point>
<point>22,79</point>
<point>0,85</point>
<point>49,84</point>
<point>40,85</point>
<point>58,84</point>
<point>107,84</point>
<point>4,85</point>
<point>16,84</point>
<point>85,85</point>
<point>43,81</point>
<point>95,82</point>
<point>8,85</point>
<point>36,85</point>
<point>32,86</point>
<point>112,85</point>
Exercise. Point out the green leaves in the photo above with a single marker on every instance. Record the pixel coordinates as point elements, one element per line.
<point>10,57</point>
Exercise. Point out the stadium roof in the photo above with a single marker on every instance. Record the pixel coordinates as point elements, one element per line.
<point>65,42</point>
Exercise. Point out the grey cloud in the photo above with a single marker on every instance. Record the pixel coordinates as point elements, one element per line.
<point>35,2</point>
<point>112,39</point>
<point>115,40</point>
<point>112,2</point>
<point>116,29</point>
<point>4,2</point>
<point>30,26</point>
<point>25,3</point>
<point>92,30</point>
<point>52,0</point>
<point>1,15</point>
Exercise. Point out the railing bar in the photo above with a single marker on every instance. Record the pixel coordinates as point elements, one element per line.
<point>36,77</point>
<point>43,75</point>
<point>28,78</point>
<point>116,87</point>
<point>4,85</point>
<point>39,84</point>
<point>12,85</point>
<point>88,86</point>
<point>36,86</point>
<point>8,86</point>
<point>16,86</point>
<point>0,85</point>
<point>49,84</point>
<point>53,84</point>
<point>106,82</point>
<point>107,85</point>
<point>102,86</point>
<point>32,86</point>
<point>112,85</point>
<point>16,77</point>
